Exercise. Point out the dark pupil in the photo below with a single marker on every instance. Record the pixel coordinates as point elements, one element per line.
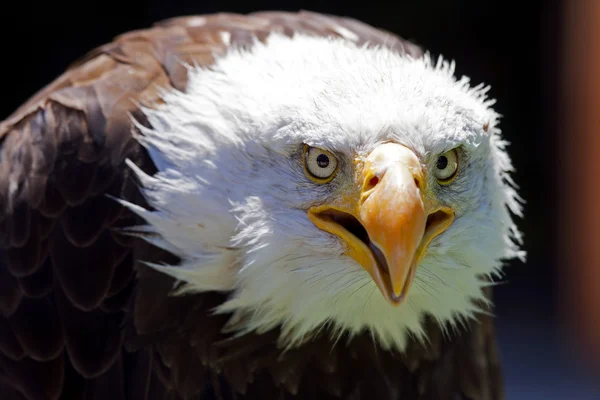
<point>442,162</point>
<point>322,161</point>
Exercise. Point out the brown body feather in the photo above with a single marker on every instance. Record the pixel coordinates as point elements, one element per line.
<point>80,319</point>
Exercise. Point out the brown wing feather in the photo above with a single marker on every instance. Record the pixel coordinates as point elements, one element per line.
<point>76,322</point>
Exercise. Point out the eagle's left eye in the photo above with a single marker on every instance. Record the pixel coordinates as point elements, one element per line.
<point>446,167</point>
<point>320,165</point>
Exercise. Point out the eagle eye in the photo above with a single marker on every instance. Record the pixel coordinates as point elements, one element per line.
<point>320,165</point>
<point>446,167</point>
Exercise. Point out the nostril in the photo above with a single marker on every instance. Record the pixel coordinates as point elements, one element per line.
<point>417,183</point>
<point>368,187</point>
<point>373,181</point>
<point>370,183</point>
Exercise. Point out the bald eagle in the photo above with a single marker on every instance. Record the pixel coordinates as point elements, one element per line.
<point>266,206</point>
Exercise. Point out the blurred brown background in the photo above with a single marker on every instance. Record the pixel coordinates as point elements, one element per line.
<point>542,59</point>
<point>579,228</point>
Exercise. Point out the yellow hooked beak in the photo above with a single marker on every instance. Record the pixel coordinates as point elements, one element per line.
<point>387,223</point>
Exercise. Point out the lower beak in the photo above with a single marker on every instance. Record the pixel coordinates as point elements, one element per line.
<point>387,226</point>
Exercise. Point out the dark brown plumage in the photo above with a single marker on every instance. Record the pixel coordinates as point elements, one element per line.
<point>79,319</point>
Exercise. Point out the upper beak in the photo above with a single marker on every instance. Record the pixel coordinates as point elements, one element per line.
<point>388,224</point>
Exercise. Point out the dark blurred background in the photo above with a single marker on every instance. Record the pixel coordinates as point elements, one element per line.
<point>516,47</point>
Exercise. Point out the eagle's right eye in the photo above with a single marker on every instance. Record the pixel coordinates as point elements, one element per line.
<point>320,165</point>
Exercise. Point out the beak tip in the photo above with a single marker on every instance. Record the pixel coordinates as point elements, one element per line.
<point>396,299</point>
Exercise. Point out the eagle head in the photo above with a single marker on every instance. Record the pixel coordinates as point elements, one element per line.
<point>322,184</point>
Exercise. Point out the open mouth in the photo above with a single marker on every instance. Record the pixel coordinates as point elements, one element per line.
<point>348,222</point>
<point>350,227</point>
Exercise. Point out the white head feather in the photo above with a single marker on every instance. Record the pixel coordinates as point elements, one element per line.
<point>230,195</point>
